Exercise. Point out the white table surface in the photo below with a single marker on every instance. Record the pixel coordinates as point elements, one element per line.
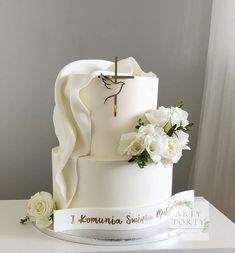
<point>15,237</point>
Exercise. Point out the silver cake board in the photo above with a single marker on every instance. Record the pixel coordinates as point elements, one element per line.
<point>114,237</point>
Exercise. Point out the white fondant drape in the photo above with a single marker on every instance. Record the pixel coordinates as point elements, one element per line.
<point>213,171</point>
<point>72,124</point>
<point>72,119</point>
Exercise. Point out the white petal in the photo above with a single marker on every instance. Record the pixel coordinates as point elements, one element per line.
<point>125,141</point>
<point>43,222</point>
<point>155,158</point>
<point>46,195</point>
<point>159,117</point>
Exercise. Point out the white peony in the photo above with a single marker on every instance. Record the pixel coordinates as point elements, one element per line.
<point>125,142</point>
<point>173,151</point>
<point>40,208</point>
<point>183,139</point>
<point>156,146</point>
<point>179,117</point>
<point>159,117</point>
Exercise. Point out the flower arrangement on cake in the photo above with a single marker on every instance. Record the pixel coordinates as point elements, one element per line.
<point>161,136</point>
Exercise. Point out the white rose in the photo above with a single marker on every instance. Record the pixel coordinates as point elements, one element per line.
<point>159,117</point>
<point>155,146</point>
<point>179,116</point>
<point>173,151</point>
<point>183,139</point>
<point>136,147</point>
<point>39,208</point>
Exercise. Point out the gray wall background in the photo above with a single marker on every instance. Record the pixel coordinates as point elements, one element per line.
<point>37,38</point>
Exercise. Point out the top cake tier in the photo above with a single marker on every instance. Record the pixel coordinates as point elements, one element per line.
<point>84,118</point>
<point>137,96</point>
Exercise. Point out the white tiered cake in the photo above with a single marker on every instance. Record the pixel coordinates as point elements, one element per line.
<point>88,171</point>
<point>112,170</point>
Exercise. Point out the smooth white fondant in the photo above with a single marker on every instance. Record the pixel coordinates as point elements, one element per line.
<point>118,184</point>
<point>75,124</point>
<point>137,96</point>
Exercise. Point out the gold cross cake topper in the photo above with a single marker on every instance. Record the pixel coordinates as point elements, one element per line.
<point>108,81</point>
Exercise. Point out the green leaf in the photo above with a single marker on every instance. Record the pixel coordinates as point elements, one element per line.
<point>184,129</point>
<point>189,125</point>
<point>141,159</point>
<point>167,127</point>
<point>140,123</point>
<point>131,160</point>
<point>23,221</point>
<point>180,104</point>
<point>172,130</point>
<point>180,128</point>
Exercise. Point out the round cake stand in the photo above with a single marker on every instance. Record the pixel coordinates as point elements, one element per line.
<point>160,234</point>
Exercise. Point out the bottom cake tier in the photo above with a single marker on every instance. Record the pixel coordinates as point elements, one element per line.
<point>115,183</point>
